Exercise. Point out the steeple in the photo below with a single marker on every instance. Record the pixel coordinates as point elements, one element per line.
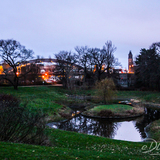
<point>130,55</point>
<point>130,62</point>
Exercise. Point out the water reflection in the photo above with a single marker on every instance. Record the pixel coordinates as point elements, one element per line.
<point>130,130</point>
<point>150,116</point>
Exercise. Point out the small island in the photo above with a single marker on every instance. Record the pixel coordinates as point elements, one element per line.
<point>114,111</point>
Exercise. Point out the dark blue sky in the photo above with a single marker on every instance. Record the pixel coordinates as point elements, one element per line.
<point>49,26</point>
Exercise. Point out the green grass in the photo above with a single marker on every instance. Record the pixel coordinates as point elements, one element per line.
<point>154,130</point>
<point>114,110</point>
<point>147,96</point>
<point>113,107</point>
<point>70,145</point>
<point>44,97</point>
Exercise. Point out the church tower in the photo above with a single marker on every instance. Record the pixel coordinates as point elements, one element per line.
<point>130,63</point>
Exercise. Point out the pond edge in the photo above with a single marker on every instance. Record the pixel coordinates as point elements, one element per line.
<point>123,117</point>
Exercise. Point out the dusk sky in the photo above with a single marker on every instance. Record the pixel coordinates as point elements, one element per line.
<point>49,26</point>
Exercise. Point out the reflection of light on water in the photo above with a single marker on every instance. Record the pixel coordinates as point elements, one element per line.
<point>128,132</point>
<point>54,126</point>
<point>75,113</point>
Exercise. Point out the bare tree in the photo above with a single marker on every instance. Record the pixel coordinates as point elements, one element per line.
<point>65,64</point>
<point>103,59</point>
<point>108,50</point>
<point>83,58</point>
<point>14,54</point>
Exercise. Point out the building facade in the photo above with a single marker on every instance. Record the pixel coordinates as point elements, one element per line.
<point>37,71</point>
<point>45,70</point>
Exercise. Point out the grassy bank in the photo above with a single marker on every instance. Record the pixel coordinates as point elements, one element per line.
<point>43,98</point>
<point>37,97</point>
<point>154,130</point>
<point>147,96</point>
<point>69,145</point>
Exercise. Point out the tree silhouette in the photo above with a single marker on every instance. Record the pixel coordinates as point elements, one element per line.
<point>103,59</point>
<point>14,54</point>
<point>148,68</point>
<point>65,64</point>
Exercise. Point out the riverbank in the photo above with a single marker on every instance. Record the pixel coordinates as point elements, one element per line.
<point>63,144</point>
<point>153,130</point>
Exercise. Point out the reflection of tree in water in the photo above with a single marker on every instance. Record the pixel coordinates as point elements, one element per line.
<point>149,116</point>
<point>90,126</point>
<point>106,127</point>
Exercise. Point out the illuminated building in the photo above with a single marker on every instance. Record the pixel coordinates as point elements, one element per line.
<point>38,71</point>
<point>45,70</point>
<point>130,63</point>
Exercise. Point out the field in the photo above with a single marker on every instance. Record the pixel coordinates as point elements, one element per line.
<point>70,145</point>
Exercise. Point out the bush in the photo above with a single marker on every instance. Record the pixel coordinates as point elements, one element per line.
<point>18,124</point>
<point>105,90</point>
<point>8,101</point>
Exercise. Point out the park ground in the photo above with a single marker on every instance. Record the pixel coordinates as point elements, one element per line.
<point>70,145</point>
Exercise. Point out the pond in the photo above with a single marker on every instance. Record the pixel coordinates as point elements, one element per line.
<point>126,129</point>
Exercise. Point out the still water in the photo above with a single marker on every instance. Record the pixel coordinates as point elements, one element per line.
<point>126,129</point>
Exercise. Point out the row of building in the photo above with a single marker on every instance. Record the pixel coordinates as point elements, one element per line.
<point>39,71</point>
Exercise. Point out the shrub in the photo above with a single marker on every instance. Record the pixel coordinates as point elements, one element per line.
<point>18,124</point>
<point>8,101</point>
<point>105,90</point>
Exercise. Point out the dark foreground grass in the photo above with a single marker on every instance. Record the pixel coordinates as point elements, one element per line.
<point>70,145</point>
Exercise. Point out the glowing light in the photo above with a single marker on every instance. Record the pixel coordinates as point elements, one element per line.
<point>1,69</point>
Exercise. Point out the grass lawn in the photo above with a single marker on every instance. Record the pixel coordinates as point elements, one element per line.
<point>70,145</point>
<point>116,108</point>
<point>44,98</point>
<point>147,96</point>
